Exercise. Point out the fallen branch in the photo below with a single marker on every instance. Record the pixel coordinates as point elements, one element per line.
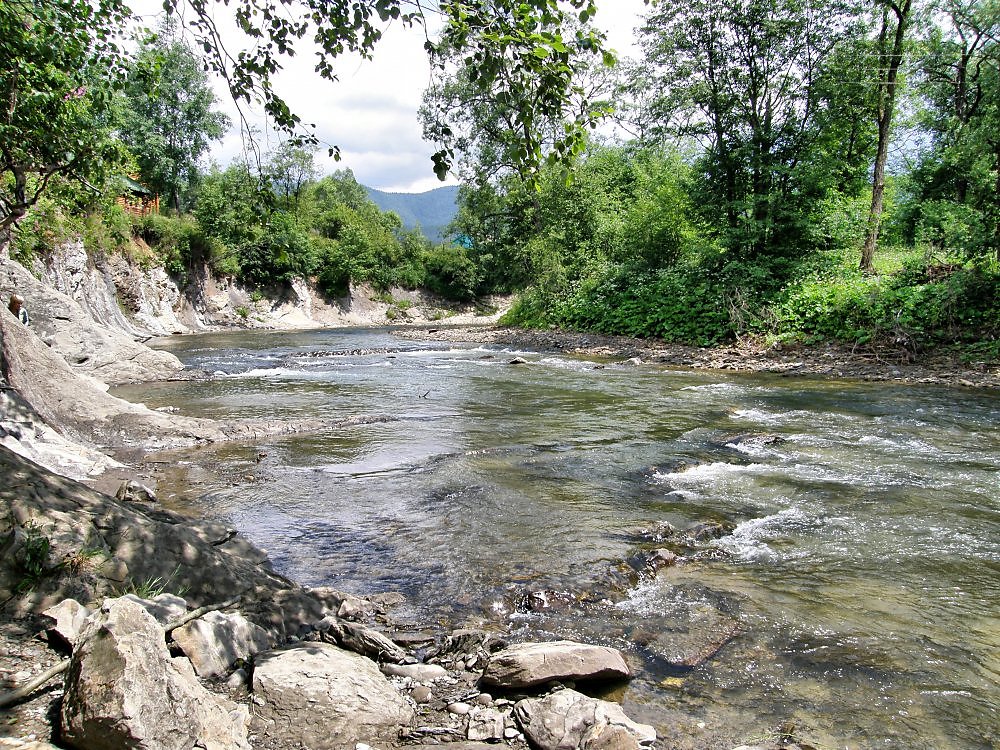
<point>194,614</point>
<point>31,686</point>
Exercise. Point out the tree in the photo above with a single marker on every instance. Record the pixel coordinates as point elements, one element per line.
<point>896,18</point>
<point>60,66</point>
<point>50,47</point>
<point>959,176</point>
<point>168,120</point>
<point>744,79</point>
<point>511,47</point>
<point>289,169</point>
<point>477,109</point>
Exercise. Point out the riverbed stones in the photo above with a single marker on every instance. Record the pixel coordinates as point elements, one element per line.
<point>319,696</point>
<point>416,672</point>
<point>124,690</point>
<point>217,640</point>
<point>485,725</point>
<point>568,720</point>
<point>527,664</point>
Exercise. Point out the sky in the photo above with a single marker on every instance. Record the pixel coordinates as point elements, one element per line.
<point>371,111</point>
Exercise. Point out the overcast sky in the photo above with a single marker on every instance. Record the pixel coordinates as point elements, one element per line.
<point>371,112</point>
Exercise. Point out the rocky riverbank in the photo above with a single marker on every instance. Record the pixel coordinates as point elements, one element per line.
<point>753,356</point>
<point>260,661</point>
<point>267,663</point>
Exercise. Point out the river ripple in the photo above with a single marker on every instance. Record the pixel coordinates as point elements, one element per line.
<point>863,565</point>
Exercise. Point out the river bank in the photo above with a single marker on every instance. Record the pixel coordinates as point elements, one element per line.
<point>74,401</point>
<point>829,360</point>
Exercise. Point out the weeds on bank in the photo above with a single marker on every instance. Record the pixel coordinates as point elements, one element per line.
<point>152,587</point>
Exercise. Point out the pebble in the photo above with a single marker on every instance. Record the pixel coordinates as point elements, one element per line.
<point>459,708</point>
<point>237,679</point>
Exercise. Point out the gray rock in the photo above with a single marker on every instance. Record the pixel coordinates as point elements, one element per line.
<point>124,690</point>
<point>238,679</point>
<point>354,608</point>
<point>165,608</point>
<point>322,697</point>
<point>661,558</point>
<point>485,725</point>
<point>568,720</point>
<point>527,664</point>
<point>421,694</point>
<point>360,639</point>
<point>69,617</point>
<point>133,492</point>
<point>418,672</point>
<point>216,641</point>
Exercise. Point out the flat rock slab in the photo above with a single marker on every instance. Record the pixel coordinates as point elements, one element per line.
<point>527,664</point>
<point>215,641</point>
<point>319,696</point>
<point>568,720</point>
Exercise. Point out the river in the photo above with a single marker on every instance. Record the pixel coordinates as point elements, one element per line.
<point>861,558</point>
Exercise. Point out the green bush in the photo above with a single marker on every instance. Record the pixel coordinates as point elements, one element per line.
<point>178,241</point>
<point>450,273</point>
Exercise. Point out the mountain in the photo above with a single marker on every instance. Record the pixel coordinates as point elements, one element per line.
<point>431,211</point>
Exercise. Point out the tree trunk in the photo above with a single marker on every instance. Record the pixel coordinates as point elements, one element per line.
<point>886,107</point>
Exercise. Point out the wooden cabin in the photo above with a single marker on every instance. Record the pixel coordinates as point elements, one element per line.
<point>137,199</point>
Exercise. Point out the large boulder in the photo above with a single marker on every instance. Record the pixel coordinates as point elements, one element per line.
<point>124,690</point>
<point>527,664</point>
<point>568,720</point>
<point>215,641</point>
<point>319,696</point>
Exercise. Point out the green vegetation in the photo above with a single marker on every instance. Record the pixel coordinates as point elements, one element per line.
<point>797,171</point>
<point>758,198</point>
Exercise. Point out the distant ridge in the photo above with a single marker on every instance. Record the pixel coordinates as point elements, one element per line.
<point>431,211</point>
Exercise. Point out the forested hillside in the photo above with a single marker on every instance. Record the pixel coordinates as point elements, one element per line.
<point>431,212</point>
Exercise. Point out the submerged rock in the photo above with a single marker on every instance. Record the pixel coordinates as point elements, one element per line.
<point>528,664</point>
<point>568,720</point>
<point>124,690</point>
<point>690,641</point>
<point>322,697</point>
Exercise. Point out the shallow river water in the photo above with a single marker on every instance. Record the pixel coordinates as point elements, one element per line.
<point>863,563</point>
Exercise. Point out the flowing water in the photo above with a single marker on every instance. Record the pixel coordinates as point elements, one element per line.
<point>863,563</point>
